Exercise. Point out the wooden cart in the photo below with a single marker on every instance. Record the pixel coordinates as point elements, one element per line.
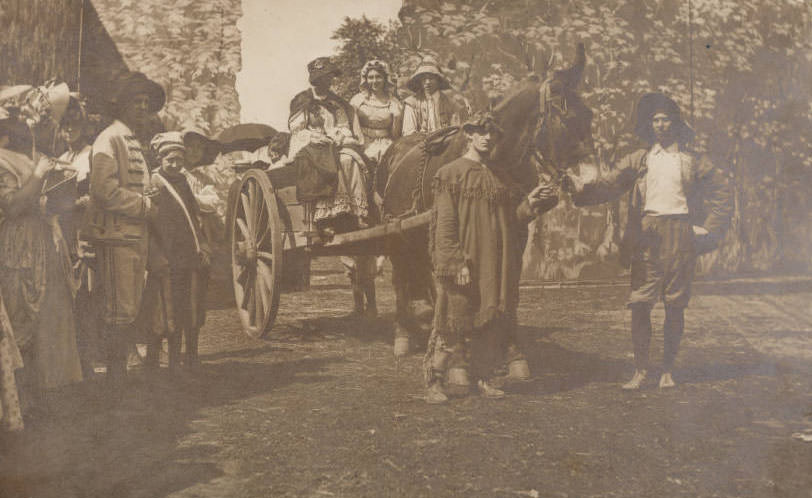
<point>268,227</point>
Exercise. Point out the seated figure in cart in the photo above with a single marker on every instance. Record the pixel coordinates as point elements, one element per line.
<point>324,133</point>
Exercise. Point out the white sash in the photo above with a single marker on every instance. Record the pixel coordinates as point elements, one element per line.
<point>178,198</point>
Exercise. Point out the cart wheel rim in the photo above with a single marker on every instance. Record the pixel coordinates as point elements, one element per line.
<point>256,253</point>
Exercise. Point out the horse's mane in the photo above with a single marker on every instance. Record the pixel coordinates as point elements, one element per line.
<point>518,116</point>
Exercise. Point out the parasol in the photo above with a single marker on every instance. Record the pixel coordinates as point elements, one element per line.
<point>246,136</point>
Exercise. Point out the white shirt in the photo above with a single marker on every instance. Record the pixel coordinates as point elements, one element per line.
<point>664,191</point>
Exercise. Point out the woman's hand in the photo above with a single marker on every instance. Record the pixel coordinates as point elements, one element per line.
<point>44,165</point>
<point>463,277</point>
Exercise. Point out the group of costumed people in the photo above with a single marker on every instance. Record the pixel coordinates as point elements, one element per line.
<point>99,249</point>
<point>128,261</point>
<point>354,136</point>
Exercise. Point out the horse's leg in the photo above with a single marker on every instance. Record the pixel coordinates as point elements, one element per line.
<point>400,282</point>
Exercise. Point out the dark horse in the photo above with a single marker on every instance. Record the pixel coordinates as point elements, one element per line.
<point>547,128</point>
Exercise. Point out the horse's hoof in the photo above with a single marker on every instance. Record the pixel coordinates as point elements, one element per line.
<point>401,346</point>
<point>519,370</point>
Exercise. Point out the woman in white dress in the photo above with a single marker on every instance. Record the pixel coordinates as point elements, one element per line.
<point>380,113</point>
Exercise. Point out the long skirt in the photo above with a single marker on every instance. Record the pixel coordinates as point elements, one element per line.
<point>351,190</point>
<point>10,360</point>
<point>53,357</point>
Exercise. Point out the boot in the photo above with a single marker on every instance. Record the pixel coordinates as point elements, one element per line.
<point>435,394</point>
<point>519,370</point>
<point>457,382</point>
<point>488,391</point>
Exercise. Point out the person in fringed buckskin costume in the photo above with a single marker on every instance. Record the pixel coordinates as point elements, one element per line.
<point>35,269</point>
<point>474,237</point>
<point>679,207</point>
<point>325,135</point>
<point>118,213</point>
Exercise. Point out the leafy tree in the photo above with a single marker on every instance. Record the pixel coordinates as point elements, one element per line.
<point>750,103</point>
<point>362,40</point>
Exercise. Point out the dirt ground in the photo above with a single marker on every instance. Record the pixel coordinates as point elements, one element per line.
<point>319,409</point>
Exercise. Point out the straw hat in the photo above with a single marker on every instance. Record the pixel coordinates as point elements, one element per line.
<point>427,66</point>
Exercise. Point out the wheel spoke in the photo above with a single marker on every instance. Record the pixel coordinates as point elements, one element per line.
<point>248,290</point>
<point>262,302</point>
<point>251,300</point>
<point>243,228</point>
<point>265,274</point>
<point>262,222</point>
<point>246,207</point>
<point>255,198</point>
<point>265,255</point>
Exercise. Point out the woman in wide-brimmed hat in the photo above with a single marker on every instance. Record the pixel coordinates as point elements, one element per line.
<point>118,212</point>
<point>429,109</point>
<point>35,272</point>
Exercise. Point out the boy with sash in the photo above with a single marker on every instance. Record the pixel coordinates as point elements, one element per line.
<point>180,268</point>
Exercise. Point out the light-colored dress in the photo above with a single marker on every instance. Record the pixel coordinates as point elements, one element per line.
<point>36,282</point>
<point>380,122</point>
<point>327,117</point>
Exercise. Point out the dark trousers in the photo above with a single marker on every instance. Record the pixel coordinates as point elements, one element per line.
<point>673,328</point>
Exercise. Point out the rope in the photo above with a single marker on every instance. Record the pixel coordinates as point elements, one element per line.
<point>691,58</point>
<point>81,40</point>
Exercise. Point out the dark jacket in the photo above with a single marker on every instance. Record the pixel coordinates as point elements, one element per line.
<point>706,188</point>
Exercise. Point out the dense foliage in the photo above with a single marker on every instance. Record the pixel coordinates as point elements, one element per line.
<point>192,49</point>
<point>750,103</point>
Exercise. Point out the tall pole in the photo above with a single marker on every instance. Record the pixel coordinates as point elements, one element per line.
<point>79,56</point>
<point>691,59</point>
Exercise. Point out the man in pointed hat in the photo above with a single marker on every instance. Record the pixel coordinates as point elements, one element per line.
<point>430,108</point>
<point>679,207</point>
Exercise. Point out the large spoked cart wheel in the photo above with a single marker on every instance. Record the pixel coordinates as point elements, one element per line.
<point>256,251</point>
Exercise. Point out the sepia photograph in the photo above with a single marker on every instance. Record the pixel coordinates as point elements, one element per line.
<point>405,248</point>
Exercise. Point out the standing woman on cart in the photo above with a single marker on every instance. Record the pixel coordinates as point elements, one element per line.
<point>321,122</point>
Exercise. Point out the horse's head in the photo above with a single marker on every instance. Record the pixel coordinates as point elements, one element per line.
<point>547,127</point>
<point>564,137</point>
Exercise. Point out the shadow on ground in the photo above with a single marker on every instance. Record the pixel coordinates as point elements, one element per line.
<point>135,451</point>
